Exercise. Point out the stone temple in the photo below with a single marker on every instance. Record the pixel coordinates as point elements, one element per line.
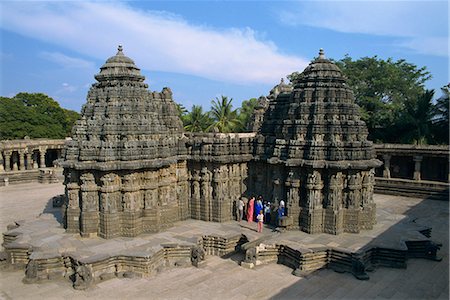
<point>130,169</point>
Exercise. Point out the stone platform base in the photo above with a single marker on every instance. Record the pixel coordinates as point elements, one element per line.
<point>47,252</point>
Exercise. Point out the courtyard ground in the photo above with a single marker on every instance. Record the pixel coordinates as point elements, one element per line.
<point>225,279</point>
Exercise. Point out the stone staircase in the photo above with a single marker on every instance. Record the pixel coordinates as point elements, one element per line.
<point>412,188</point>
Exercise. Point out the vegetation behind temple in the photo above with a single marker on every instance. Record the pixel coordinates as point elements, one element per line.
<point>36,116</point>
<point>391,94</point>
<point>394,104</point>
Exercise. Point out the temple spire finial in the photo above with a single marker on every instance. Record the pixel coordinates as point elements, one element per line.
<point>321,53</point>
<point>119,49</point>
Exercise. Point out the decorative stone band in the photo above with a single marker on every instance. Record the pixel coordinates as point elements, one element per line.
<point>122,165</point>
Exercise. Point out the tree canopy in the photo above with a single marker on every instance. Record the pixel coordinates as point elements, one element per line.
<point>34,115</point>
<point>383,89</point>
<point>245,113</point>
<point>221,118</point>
<point>414,124</point>
<point>440,123</point>
<point>225,119</point>
<point>197,120</point>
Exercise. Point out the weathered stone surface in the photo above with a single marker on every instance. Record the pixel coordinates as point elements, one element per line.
<point>130,169</point>
<point>313,152</point>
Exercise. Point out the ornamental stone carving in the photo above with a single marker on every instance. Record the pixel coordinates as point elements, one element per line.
<point>131,169</point>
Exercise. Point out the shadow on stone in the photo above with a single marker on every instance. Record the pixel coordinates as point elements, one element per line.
<point>406,239</point>
<point>55,206</point>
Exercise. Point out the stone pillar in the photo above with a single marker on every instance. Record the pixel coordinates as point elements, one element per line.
<point>312,215</point>
<point>34,156</point>
<point>2,161</point>
<point>205,195</point>
<point>293,200</point>
<point>417,167</point>
<point>387,166</point>
<point>15,161</point>
<point>219,208</point>
<point>7,161</point>
<point>73,208</point>
<point>182,190</point>
<point>333,214</point>
<point>152,214</point>
<point>89,206</point>
<point>42,152</point>
<point>244,176</point>
<point>195,195</point>
<point>29,164</point>
<point>22,160</point>
<point>133,204</point>
<point>353,202</point>
<point>367,212</point>
<point>110,198</point>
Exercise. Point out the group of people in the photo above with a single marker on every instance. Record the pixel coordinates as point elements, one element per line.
<point>259,210</point>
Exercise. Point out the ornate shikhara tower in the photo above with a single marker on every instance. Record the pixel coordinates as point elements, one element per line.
<point>124,167</point>
<point>312,151</point>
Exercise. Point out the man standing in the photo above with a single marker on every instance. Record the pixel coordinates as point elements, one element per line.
<point>241,205</point>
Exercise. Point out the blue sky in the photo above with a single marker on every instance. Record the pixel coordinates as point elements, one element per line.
<point>204,49</point>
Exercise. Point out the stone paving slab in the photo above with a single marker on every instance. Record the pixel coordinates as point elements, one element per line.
<point>225,279</point>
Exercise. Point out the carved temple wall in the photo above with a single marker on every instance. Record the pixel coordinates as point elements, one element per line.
<point>218,173</point>
<point>318,200</point>
<point>121,203</point>
<point>128,203</point>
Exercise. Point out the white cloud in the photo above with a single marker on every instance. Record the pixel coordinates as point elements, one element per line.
<point>155,40</point>
<point>424,24</point>
<point>66,87</point>
<point>67,61</point>
<point>428,45</point>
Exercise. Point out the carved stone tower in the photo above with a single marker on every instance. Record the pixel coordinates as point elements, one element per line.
<point>316,154</point>
<point>123,167</point>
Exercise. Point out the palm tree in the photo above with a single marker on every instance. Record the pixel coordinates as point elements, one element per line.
<point>441,117</point>
<point>417,117</point>
<point>197,120</point>
<point>182,112</point>
<point>225,119</point>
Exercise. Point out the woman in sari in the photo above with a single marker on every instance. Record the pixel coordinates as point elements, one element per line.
<point>258,205</point>
<point>250,209</point>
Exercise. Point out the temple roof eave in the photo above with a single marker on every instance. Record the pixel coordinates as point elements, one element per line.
<point>121,165</point>
<point>325,164</point>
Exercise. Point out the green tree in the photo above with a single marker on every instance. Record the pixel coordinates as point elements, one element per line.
<point>182,112</point>
<point>245,113</point>
<point>197,120</point>
<point>34,115</point>
<point>225,119</point>
<point>381,89</point>
<point>414,125</point>
<point>440,121</point>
